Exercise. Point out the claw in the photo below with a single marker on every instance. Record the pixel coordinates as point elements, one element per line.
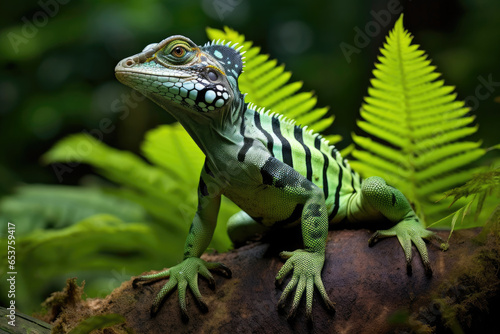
<point>428,270</point>
<point>409,269</point>
<point>330,306</point>
<point>220,269</point>
<point>291,314</point>
<point>184,316</point>
<point>211,284</point>
<point>225,271</point>
<point>203,306</point>
<point>373,240</point>
<point>154,310</point>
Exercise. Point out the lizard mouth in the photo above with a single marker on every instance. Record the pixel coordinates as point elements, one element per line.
<point>133,67</point>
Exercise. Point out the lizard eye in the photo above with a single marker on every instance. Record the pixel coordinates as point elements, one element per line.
<point>212,75</point>
<point>178,51</point>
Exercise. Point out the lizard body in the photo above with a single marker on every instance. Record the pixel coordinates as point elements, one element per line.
<point>280,174</point>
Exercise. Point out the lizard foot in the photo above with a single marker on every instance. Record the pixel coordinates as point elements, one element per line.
<point>183,275</point>
<point>408,231</point>
<point>306,268</point>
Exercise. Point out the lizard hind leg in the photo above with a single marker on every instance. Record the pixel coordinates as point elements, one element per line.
<point>392,204</point>
<point>241,227</point>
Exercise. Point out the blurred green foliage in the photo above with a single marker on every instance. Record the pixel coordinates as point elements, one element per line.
<point>57,78</point>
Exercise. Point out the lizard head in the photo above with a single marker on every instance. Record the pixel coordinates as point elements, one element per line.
<point>180,75</point>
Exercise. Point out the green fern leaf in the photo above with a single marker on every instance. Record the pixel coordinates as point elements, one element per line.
<point>267,85</point>
<point>415,122</point>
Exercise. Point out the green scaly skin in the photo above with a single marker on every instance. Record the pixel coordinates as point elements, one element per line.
<point>278,173</point>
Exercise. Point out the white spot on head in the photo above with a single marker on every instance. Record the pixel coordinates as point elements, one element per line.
<point>219,103</point>
<point>218,54</point>
<point>209,96</point>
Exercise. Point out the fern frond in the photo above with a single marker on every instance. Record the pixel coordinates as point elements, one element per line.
<point>483,189</point>
<point>415,122</point>
<point>267,85</point>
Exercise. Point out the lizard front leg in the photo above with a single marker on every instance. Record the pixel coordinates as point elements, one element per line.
<point>185,274</point>
<point>306,263</point>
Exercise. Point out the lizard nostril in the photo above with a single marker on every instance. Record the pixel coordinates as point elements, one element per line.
<point>129,62</point>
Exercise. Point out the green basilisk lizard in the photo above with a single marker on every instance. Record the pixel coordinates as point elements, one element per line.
<point>280,174</point>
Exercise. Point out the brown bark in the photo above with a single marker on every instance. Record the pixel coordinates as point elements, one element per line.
<point>370,286</point>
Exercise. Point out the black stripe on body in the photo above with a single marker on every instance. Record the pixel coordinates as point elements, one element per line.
<point>269,138</point>
<point>317,145</point>
<point>298,134</point>
<point>247,142</point>
<point>296,214</point>
<point>352,183</point>
<point>336,207</point>
<point>286,149</point>
<point>273,174</point>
